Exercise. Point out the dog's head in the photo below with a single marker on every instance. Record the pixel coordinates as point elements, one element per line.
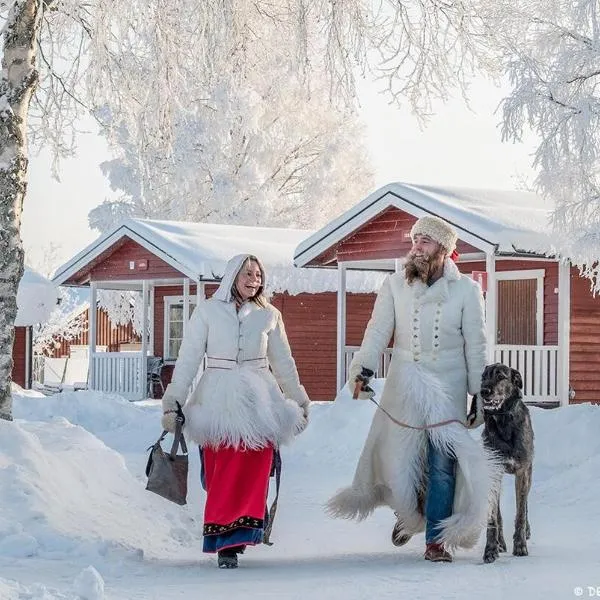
<point>498,384</point>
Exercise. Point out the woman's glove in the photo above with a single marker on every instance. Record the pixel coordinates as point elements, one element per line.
<point>304,422</point>
<point>170,417</point>
<point>475,416</point>
<point>360,384</point>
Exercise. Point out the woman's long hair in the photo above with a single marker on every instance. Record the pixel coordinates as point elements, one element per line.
<point>258,298</point>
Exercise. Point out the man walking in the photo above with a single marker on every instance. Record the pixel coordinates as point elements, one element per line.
<point>419,458</point>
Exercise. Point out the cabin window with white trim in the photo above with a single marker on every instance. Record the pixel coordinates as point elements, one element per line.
<point>174,325</point>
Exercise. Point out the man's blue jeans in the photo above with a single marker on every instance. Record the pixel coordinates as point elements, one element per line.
<point>440,492</point>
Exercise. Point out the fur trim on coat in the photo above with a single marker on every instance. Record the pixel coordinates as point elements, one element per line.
<point>392,467</point>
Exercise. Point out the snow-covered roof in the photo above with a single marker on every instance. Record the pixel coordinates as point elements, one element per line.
<point>36,299</point>
<point>504,222</point>
<point>200,251</point>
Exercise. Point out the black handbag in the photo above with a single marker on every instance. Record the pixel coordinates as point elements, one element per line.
<point>167,472</point>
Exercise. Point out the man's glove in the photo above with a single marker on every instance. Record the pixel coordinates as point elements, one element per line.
<point>475,416</point>
<point>170,417</point>
<point>362,390</point>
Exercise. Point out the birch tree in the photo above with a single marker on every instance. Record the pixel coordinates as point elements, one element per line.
<point>17,84</point>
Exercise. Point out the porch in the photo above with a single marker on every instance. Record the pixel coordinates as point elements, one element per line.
<point>538,366</point>
<point>134,371</point>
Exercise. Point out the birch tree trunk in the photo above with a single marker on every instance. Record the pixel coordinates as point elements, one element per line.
<point>18,81</point>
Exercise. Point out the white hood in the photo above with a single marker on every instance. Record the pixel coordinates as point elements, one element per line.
<point>231,270</point>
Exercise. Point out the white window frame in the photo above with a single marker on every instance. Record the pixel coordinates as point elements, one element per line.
<point>538,275</point>
<point>171,301</point>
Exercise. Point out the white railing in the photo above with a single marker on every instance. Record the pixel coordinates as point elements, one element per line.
<point>538,366</point>
<point>384,361</point>
<point>118,373</point>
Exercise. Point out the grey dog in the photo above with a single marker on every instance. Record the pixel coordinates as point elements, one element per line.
<point>509,433</point>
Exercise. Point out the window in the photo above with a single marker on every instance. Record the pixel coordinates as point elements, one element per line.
<point>174,325</point>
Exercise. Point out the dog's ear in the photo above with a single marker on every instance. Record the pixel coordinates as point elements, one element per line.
<point>516,378</point>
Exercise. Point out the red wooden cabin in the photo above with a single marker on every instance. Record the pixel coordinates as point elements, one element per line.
<point>174,264</point>
<point>541,315</point>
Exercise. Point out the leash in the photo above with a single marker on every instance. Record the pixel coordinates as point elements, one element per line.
<point>357,389</point>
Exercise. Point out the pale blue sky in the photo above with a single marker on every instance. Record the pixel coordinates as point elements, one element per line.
<point>459,147</point>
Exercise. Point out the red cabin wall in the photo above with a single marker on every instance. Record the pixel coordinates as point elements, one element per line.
<point>385,236</point>
<point>107,334</point>
<point>584,363</point>
<point>19,355</point>
<point>116,266</point>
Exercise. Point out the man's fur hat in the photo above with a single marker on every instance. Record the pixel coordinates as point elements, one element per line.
<point>437,230</point>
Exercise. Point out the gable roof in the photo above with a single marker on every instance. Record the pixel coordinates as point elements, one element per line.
<point>500,222</point>
<point>197,250</point>
<point>200,251</point>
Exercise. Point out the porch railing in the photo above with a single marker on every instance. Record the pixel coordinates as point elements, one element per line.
<point>118,373</point>
<point>384,361</point>
<point>538,366</point>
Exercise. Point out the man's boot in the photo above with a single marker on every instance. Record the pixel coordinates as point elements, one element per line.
<point>436,553</point>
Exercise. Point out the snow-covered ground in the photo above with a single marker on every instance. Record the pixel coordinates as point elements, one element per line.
<point>77,523</point>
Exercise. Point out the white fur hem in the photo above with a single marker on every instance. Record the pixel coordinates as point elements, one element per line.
<point>241,407</point>
<point>391,466</point>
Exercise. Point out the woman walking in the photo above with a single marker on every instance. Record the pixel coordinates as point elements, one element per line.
<point>248,401</point>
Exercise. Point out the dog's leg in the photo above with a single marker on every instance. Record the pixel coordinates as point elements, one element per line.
<point>527,526</point>
<point>491,553</point>
<point>501,542</point>
<point>521,490</point>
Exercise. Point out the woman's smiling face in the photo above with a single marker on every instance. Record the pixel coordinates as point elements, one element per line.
<point>248,280</point>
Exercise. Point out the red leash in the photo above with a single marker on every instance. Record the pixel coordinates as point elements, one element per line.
<point>358,388</point>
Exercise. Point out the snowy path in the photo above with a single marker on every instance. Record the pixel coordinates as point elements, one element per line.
<point>314,556</point>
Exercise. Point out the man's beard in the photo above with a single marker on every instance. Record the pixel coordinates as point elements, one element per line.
<point>422,267</point>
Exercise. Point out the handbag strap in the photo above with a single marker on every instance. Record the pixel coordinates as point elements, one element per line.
<point>178,438</point>
<point>273,509</point>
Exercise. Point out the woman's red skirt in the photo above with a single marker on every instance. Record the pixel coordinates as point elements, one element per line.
<point>237,484</point>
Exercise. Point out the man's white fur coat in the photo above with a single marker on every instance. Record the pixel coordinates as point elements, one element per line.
<point>238,402</point>
<point>439,355</point>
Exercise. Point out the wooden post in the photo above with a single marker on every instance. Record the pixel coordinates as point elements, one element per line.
<point>92,334</point>
<point>491,305</point>
<point>151,319</point>
<point>144,354</point>
<point>186,304</point>
<point>564,331</point>
<point>341,327</point>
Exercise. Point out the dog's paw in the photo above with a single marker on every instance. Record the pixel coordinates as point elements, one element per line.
<point>490,555</point>
<point>501,545</point>
<point>520,548</point>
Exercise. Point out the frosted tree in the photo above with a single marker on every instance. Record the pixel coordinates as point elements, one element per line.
<point>263,130</point>
<point>274,155</point>
<point>144,67</point>
<point>552,50</point>
<point>66,322</point>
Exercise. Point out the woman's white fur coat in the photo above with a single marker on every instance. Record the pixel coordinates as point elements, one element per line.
<point>244,405</point>
<point>439,355</point>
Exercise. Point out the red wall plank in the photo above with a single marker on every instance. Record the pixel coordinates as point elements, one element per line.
<point>584,364</point>
<point>116,266</point>
<point>19,355</point>
<point>386,236</point>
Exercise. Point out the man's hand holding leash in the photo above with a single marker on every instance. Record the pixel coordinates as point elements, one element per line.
<point>362,390</point>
